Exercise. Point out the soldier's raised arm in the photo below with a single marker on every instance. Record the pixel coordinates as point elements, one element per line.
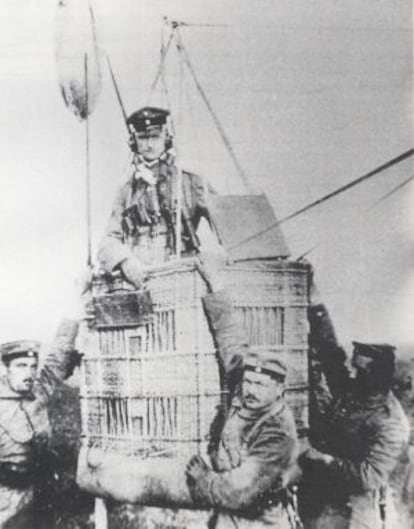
<point>327,357</point>
<point>229,337</point>
<point>63,356</point>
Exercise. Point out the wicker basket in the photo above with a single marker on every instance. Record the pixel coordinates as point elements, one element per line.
<point>151,382</point>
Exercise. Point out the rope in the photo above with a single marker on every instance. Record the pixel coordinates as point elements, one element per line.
<point>226,141</point>
<point>394,190</point>
<point>373,206</point>
<point>117,92</point>
<point>165,88</point>
<point>179,193</point>
<point>160,71</point>
<point>176,23</point>
<point>88,171</point>
<point>341,189</point>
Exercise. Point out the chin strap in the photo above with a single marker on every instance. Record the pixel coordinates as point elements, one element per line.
<point>167,156</point>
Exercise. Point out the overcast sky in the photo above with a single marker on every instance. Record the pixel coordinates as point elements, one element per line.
<point>312,94</point>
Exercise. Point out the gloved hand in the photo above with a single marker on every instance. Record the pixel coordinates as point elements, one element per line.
<point>133,272</point>
<point>313,455</point>
<point>209,266</point>
<point>198,474</point>
<point>76,360</point>
<point>80,297</point>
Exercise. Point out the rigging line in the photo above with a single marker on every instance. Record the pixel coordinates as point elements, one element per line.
<point>308,251</point>
<point>179,23</point>
<point>216,120</point>
<point>180,83</point>
<point>394,190</point>
<point>185,24</point>
<point>164,86</point>
<point>118,93</point>
<point>162,48</point>
<point>160,70</point>
<point>373,206</point>
<point>88,167</point>
<point>195,133</point>
<point>168,102</point>
<point>175,23</point>
<point>324,198</point>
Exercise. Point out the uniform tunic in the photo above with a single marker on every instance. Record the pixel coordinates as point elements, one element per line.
<point>25,428</point>
<point>366,436</point>
<point>253,453</point>
<point>143,216</point>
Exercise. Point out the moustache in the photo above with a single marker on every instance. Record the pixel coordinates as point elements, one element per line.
<point>250,397</point>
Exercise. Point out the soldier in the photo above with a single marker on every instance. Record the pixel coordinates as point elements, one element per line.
<point>141,229</point>
<point>24,425</point>
<point>361,433</point>
<point>254,446</point>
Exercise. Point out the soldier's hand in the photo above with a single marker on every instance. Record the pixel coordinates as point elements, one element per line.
<point>209,266</point>
<point>196,468</point>
<point>312,454</point>
<point>197,474</point>
<point>79,296</point>
<point>133,271</point>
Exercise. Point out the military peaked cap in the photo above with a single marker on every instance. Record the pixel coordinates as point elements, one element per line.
<point>19,349</point>
<point>380,351</point>
<point>147,117</point>
<point>265,363</point>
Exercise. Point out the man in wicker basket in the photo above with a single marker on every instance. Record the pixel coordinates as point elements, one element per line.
<point>141,228</point>
<point>254,443</point>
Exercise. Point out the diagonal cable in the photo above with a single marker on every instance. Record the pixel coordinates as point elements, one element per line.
<point>160,70</point>
<point>390,193</point>
<point>373,206</point>
<point>334,193</point>
<point>216,120</point>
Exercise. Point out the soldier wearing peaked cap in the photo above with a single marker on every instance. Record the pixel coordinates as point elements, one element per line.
<point>254,444</point>
<point>141,228</point>
<point>25,394</point>
<point>361,434</point>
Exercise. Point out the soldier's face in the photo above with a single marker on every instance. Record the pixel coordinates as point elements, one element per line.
<point>361,362</point>
<point>362,368</point>
<point>151,143</point>
<point>21,374</point>
<point>260,390</point>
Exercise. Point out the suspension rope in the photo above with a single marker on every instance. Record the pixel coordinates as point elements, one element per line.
<point>160,71</point>
<point>324,198</point>
<point>88,167</point>
<point>373,206</point>
<point>117,92</point>
<point>182,49</point>
<point>394,190</point>
<point>166,93</point>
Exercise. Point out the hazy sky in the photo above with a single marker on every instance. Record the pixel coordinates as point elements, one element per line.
<point>312,95</point>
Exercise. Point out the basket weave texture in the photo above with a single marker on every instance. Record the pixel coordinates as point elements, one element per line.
<point>152,388</point>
